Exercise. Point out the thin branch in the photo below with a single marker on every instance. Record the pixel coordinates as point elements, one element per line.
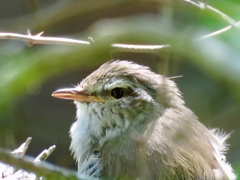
<point>232,22</point>
<point>224,16</point>
<point>218,32</point>
<point>43,169</point>
<point>138,48</point>
<point>202,5</point>
<point>19,152</point>
<point>38,39</point>
<point>23,167</point>
<point>215,33</point>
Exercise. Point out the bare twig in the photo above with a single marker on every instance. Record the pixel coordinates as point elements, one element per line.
<point>215,10</point>
<point>9,166</point>
<point>218,32</point>
<point>38,39</point>
<point>19,152</point>
<point>138,48</point>
<point>43,169</point>
<point>232,22</point>
<point>215,33</point>
<point>224,16</point>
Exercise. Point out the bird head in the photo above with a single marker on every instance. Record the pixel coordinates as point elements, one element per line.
<point>120,97</point>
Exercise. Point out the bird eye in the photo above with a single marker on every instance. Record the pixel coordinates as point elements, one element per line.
<point>118,93</point>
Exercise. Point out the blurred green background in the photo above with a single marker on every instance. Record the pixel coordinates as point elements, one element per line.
<point>28,75</point>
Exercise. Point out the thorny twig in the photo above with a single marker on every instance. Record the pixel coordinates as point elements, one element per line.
<point>15,157</point>
<point>39,39</point>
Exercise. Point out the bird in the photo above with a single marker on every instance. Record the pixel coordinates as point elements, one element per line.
<point>132,123</point>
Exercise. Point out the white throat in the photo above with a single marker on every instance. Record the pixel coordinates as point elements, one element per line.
<point>92,122</point>
<point>82,131</point>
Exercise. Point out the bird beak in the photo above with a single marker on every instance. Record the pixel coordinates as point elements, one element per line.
<point>76,94</point>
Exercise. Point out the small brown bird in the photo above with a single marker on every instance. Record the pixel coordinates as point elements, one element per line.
<point>133,124</point>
